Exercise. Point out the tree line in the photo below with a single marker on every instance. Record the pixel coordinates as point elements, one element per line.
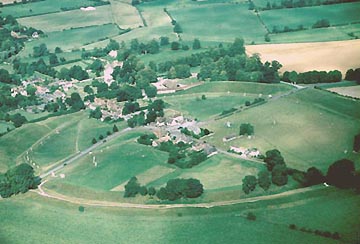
<point>175,189</point>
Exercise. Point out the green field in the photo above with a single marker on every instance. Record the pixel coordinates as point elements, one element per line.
<point>43,7</point>
<point>224,22</point>
<point>229,87</point>
<point>69,19</point>
<point>303,126</point>
<point>337,14</point>
<point>117,163</point>
<point>316,35</point>
<point>71,133</point>
<point>125,15</point>
<point>214,104</point>
<point>51,221</point>
<point>73,38</point>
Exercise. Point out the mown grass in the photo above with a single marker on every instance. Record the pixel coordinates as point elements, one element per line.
<point>69,19</point>
<point>125,15</point>
<point>73,38</point>
<point>230,87</point>
<point>310,128</point>
<point>203,109</point>
<point>224,22</point>
<point>43,7</point>
<point>338,14</point>
<point>116,164</point>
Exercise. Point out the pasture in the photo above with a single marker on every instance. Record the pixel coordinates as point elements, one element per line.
<point>71,39</point>
<point>117,163</point>
<point>337,14</point>
<point>69,19</point>
<point>52,221</point>
<point>230,87</point>
<point>303,57</point>
<point>214,104</point>
<point>43,7</point>
<point>303,126</point>
<point>125,15</point>
<point>224,22</point>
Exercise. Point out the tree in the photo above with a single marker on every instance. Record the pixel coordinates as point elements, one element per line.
<point>164,40</point>
<point>150,91</point>
<point>151,191</point>
<point>272,158</point>
<point>97,66</point>
<point>196,44</point>
<point>130,107</point>
<point>249,183</point>
<point>175,46</point>
<point>181,188</point>
<point>115,129</point>
<point>132,188</point>
<point>177,28</point>
<point>93,141</point>
<point>356,146</point>
<point>341,174</point>
<point>264,179</point>
<point>153,47</point>
<point>279,175</point>
<point>58,50</point>
<point>313,176</point>
<point>97,114</point>
<point>18,179</point>
<point>41,50</point>
<point>75,102</point>
<point>18,119</point>
<point>53,59</point>
<point>246,129</point>
<point>5,76</point>
<point>78,73</point>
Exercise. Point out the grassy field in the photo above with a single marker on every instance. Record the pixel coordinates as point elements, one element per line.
<point>43,7</point>
<point>125,15</point>
<point>69,19</point>
<point>337,33</point>
<point>303,126</point>
<point>230,87</point>
<point>338,14</point>
<point>214,104</point>
<point>71,133</point>
<point>221,171</point>
<point>5,125</point>
<point>73,38</point>
<point>50,221</point>
<point>116,165</point>
<point>218,26</point>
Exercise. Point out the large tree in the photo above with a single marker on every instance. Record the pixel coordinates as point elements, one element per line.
<point>279,175</point>
<point>132,188</point>
<point>249,183</point>
<point>272,158</point>
<point>341,174</point>
<point>246,129</point>
<point>264,179</point>
<point>19,179</point>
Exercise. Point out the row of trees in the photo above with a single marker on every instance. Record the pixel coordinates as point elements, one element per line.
<point>155,109</point>
<point>353,75</point>
<point>276,169</point>
<point>312,77</point>
<point>295,4</point>
<point>18,179</point>
<point>174,189</point>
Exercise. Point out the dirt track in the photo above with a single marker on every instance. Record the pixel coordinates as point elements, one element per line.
<point>97,203</point>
